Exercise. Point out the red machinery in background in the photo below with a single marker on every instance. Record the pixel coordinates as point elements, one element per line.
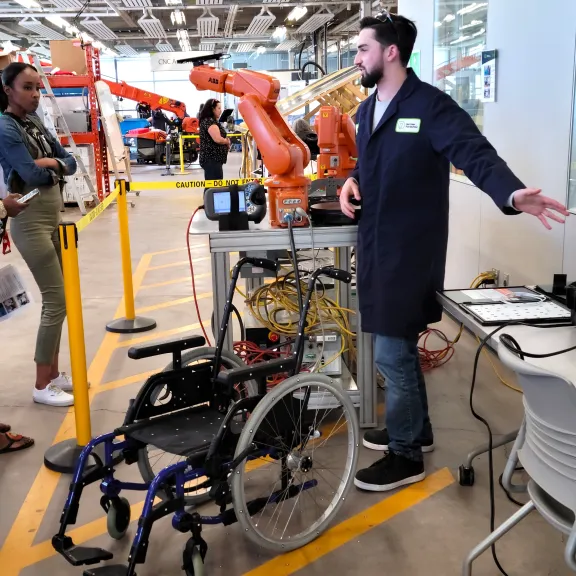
<point>283,153</point>
<point>151,144</point>
<point>155,101</point>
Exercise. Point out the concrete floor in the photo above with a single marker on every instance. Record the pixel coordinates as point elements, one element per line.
<point>422,530</point>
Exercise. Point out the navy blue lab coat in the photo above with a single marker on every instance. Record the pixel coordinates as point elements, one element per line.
<point>404,183</point>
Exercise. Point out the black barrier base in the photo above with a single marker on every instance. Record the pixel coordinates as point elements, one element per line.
<point>125,326</point>
<point>62,457</point>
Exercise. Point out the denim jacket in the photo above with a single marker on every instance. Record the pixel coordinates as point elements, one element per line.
<point>15,156</point>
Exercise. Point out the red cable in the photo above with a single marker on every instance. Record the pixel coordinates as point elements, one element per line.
<point>192,275</point>
<point>430,359</point>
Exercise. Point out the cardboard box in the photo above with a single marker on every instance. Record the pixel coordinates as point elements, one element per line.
<point>68,56</point>
<point>7,59</point>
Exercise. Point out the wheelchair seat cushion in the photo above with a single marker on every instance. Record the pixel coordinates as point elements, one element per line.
<point>185,433</point>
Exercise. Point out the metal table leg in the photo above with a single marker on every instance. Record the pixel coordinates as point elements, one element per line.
<point>366,378</point>
<point>220,284</point>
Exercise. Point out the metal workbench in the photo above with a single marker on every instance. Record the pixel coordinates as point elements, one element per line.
<point>263,237</point>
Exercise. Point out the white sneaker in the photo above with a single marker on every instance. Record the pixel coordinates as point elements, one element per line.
<point>53,396</point>
<point>64,382</point>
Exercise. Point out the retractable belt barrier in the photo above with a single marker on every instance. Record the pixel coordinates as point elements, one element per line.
<point>62,457</point>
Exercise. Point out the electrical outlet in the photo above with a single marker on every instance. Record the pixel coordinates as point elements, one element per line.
<point>496,273</point>
<point>505,279</point>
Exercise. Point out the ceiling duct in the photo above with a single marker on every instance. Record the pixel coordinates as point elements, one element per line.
<point>38,28</point>
<point>152,26</point>
<point>63,4</point>
<point>207,23</point>
<point>245,47</point>
<point>208,2</point>
<point>316,21</point>
<point>207,46</point>
<point>351,24</point>
<point>98,28</point>
<point>274,1</point>
<point>4,37</point>
<point>260,23</point>
<point>164,47</point>
<point>125,50</point>
<point>228,29</point>
<point>137,3</point>
<point>286,45</point>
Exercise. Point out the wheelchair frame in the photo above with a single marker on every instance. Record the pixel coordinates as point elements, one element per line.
<point>176,476</point>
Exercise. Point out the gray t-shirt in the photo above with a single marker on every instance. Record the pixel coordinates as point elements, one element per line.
<point>379,111</point>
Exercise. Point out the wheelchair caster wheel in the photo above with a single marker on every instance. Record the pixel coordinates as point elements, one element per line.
<point>466,475</point>
<point>195,564</point>
<point>118,518</point>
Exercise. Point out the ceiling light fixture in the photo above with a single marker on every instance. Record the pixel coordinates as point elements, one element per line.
<point>297,13</point>
<point>479,33</point>
<point>461,39</point>
<point>29,4</point>
<point>279,34</point>
<point>472,24</point>
<point>58,21</point>
<point>449,18</point>
<point>437,24</point>
<point>173,2</point>
<point>472,8</point>
<point>178,17</point>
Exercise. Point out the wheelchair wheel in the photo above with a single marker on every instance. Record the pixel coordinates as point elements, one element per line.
<point>305,436</point>
<point>151,459</point>
<point>118,518</point>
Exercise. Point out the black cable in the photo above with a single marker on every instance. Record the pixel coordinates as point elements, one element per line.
<point>295,264</point>
<point>311,63</point>
<point>508,495</point>
<point>511,344</point>
<point>300,59</point>
<point>240,322</point>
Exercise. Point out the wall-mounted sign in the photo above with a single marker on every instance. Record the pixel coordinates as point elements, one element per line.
<point>489,75</point>
<point>168,61</point>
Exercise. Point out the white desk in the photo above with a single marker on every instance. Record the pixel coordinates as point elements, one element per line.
<point>533,340</point>
<point>263,237</point>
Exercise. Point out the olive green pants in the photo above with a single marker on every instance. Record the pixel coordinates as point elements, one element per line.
<point>35,234</point>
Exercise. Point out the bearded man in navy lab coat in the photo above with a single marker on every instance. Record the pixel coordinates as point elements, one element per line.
<point>408,133</point>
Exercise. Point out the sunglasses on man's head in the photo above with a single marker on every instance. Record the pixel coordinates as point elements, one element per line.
<point>384,16</point>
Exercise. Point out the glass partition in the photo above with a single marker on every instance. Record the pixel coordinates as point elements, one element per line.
<point>459,38</point>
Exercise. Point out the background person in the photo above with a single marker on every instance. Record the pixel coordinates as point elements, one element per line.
<point>214,145</point>
<point>32,158</point>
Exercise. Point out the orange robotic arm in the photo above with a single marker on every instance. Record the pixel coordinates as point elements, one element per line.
<point>337,143</point>
<point>124,90</point>
<point>283,153</point>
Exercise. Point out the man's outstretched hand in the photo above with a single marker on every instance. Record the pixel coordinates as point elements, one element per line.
<point>530,200</point>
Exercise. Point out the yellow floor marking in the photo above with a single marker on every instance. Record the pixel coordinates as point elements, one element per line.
<point>178,249</point>
<point>157,335</point>
<point>173,303</point>
<point>179,263</point>
<point>30,515</point>
<point>353,527</point>
<point>113,384</point>
<point>176,281</point>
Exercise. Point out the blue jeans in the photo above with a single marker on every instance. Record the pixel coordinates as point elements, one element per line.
<point>407,417</point>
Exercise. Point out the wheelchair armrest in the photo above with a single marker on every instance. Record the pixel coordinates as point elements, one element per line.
<point>260,370</point>
<point>165,347</point>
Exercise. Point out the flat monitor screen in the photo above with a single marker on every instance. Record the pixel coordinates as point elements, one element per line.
<point>222,202</point>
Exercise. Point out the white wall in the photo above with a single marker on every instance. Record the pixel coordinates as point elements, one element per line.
<point>530,125</point>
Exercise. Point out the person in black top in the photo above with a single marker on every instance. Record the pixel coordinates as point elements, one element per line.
<point>214,145</point>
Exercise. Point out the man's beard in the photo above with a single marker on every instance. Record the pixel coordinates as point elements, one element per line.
<point>370,79</point>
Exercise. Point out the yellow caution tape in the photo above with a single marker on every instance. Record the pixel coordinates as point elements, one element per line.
<point>188,136</point>
<point>167,185</point>
<point>93,214</point>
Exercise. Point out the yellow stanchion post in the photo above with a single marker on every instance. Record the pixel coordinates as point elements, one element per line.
<point>130,323</point>
<point>181,139</point>
<point>62,457</point>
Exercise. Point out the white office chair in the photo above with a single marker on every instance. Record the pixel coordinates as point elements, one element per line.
<point>546,448</point>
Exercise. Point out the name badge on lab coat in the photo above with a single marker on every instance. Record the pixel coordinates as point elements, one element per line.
<point>408,125</point>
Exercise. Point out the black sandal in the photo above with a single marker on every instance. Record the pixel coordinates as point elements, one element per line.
<point>13,439</point>
<point>5,428</point>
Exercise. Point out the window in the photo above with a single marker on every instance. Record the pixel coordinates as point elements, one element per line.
<point>572,166</point>
<point>459,38</point>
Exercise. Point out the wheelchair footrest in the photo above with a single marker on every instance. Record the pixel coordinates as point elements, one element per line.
<point>80,555</point>
<point>112,570</point>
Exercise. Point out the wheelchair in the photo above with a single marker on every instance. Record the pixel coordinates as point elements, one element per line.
<point>263,457</point>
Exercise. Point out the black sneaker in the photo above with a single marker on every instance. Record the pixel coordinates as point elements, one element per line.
<point>389,473</point>
<point>379,439</point>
